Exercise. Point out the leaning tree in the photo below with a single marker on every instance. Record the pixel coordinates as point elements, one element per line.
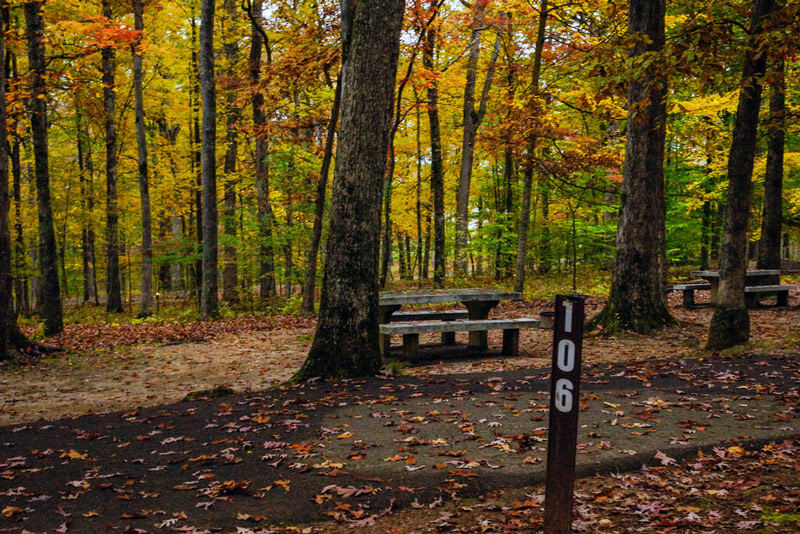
<point>346,340</point>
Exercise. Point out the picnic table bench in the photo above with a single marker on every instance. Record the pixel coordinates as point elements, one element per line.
<point>689,289</point>
<point>757,282</point>
<point>411,332</point>
<point>781,292</point>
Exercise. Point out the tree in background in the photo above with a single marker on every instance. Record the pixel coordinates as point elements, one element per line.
<point>346,339</point>
<point>50,298</point>
<point>730,324</point>
<point>637,301</point>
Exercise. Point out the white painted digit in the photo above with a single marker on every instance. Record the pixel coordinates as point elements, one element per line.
<point>568,316</point>
<point>566,355</point>
<point>564,395</point>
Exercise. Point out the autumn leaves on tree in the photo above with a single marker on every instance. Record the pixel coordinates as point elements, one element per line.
<point>524,137</point>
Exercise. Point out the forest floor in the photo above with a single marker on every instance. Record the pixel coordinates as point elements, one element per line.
<point>739,485</point>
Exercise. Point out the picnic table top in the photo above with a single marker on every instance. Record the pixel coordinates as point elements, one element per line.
<point>446,295</point>
<point>750,272</point>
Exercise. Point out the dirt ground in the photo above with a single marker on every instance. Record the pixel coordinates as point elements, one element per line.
<point>100,378</point>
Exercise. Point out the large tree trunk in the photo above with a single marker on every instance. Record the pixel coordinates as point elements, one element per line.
<point>637,300</point>
<point>146,307</point>
<point>769,248</point>
<point>50,302</point>
<point>309,289</point>
<point>113,287</point>
<point>472,120</point>
<point>730,324</point>
<point>346,340</point>
<point>437,166</point>
<point>209,307</point>
<point>266,251</point>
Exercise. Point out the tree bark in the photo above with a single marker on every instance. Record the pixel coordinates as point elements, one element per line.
<point>209,307</point>
<point>472,119</point>
<point>230,274</point>
<point>197,160</point>
<point>527,176</point>
<point>346,339</point>
<point>146,307</point>
<point>769,249</point>
<point>22,305</point>
<point>113,287</point>
<point>637,301</point>
<point>730,324</point>
<point>437,165</point>
<point>266,251</point>
<point>50,302</point>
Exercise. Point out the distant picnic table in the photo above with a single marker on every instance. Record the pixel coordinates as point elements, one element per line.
<point>478,303</point>
<point>757,281</point>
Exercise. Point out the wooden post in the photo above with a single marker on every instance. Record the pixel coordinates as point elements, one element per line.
<point>564,406</point>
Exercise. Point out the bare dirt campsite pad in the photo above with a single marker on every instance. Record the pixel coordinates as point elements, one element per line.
<point>107,367</point>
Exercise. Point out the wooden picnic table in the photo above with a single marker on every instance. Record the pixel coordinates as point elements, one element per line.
<point>753,277</point>
<point>479,302</point>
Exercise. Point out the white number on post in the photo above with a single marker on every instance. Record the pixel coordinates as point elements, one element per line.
<point>568,316</point>
<point>566,355</point>
<point>564,395</point>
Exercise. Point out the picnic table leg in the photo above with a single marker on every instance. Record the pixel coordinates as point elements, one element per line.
<point>688,297</point>
<point>479,311</point>
<point>782,298</point>
<point>410,346</point>
<point>510,342</point>
<point>385,317</point>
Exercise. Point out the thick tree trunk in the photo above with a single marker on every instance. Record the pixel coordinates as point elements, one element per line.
<point>146,307</point>
<point>113,288</point>
<point>637,301</point>
<point>769,249</point>
<point>437,166</point>
<point>346,339</point>
<point>209,307</point>
<point>266,251</point>
<point>50,302</point>
<point>730,324</point>
<point>472,119</point>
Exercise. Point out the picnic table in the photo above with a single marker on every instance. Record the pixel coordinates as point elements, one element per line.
<point>479,302</point>
<point>754,278</point>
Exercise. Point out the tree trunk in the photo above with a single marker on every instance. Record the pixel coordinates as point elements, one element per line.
<point>527,176</point>
<point>472,121</point>
<point>386,243</point>
<point>146,307</point>
<point>21,280</point>
<point>113,288</point>
<point>769,249</point>
<point>730,324</point>
<point>637,300</point>
<point>346,339</point>
<point>437,166</point>
<point>309,289</point>
<point>419,188</point>
<point>230,274</point>
<point>86,167</point>
<point>197,163</point>
<point>266,251</point>
<point>48,259</point>
<point>10,336</point>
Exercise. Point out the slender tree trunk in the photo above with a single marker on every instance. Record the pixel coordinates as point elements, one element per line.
<point>401,256</point>
<point>86,167</point>
<point>175,268</point>
<point>472,120</point>
<point>769,249</point>
<point>527,175</point>
<point>230,274</point>
<point>386,243</point>
<point>637,300</point>
<point>146,307</point>
<point>309,289</point>
<point>346,339</point>
<point>48,259</point>
<point>730,324</point>
<point>266,251</point>
<point>419,190</point>
<point>545,259</point>
<point>21,280</point>
<point>208,294</point>
<point>704,235</point>
<point>197,163</point>
<point>113,288</point>
<point>437,166</point>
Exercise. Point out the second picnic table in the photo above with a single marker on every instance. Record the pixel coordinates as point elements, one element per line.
<point>479,302</point>
<point>753,277</point>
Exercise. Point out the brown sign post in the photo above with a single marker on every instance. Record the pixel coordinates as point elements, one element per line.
<point>564,407</point>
